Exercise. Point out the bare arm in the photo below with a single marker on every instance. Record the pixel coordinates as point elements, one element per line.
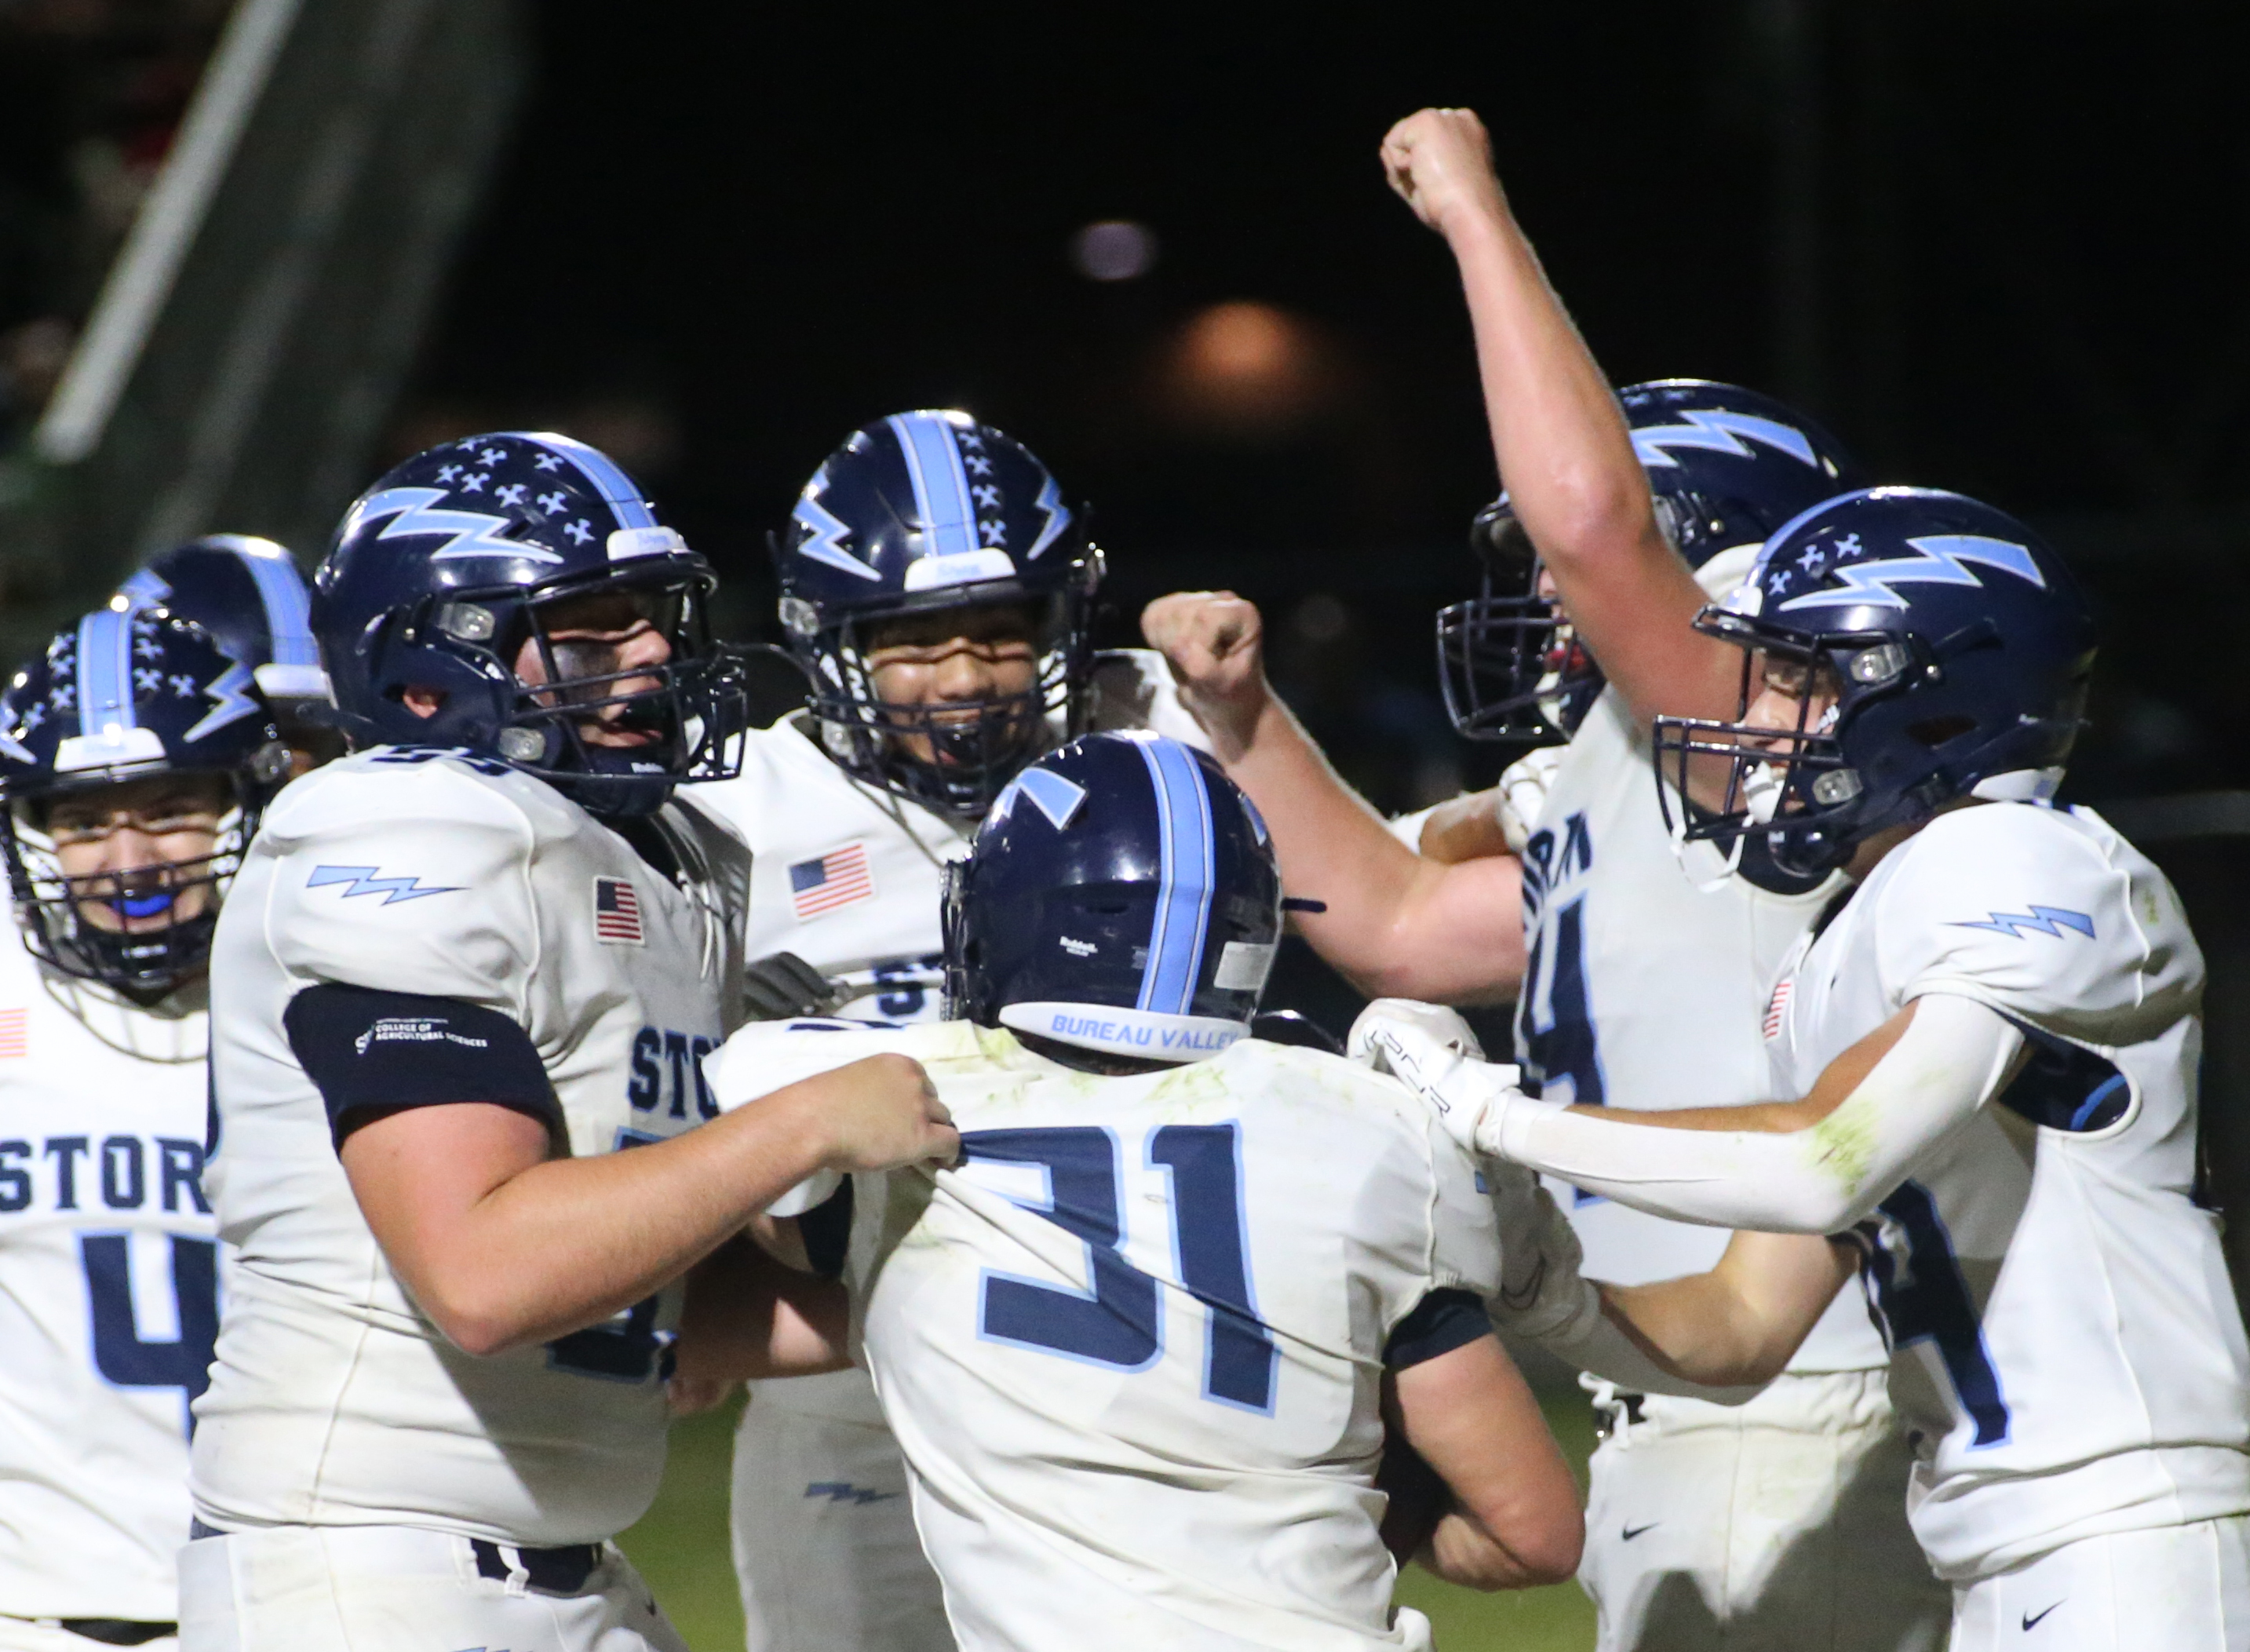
<point>1739,1322</point>
<point>1396,922</point>
<point>749,1316</point>
<point>1560,441</point>
<point>503,1246</point>
<point>1513,1520</point>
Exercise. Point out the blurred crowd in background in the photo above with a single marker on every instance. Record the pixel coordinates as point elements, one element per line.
<point>91,96</point>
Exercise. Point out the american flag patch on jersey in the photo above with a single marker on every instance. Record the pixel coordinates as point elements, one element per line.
<point>1778,1005</point>
<point>617,913</point>
<point>15,1034</point>
<point>838,878</point>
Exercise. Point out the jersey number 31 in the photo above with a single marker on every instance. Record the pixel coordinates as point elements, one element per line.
<point>1119,1324</point>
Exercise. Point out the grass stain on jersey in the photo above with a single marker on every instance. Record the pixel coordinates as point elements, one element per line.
<point>1843,1144</point>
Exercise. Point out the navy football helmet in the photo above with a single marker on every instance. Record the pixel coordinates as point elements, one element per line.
<point>128,694</point>
<point>248,593</point>
<point>445,570</point>
<point>925,512</point>
<point>1953,645</point>
<point>1725,465</point>
<point>1121,897</point>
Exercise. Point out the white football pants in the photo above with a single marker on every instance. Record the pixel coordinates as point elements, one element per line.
<point>397,1589</point>
<point>824,1540</point>
<point>1777,1526</point>
<point>2174,1589</point>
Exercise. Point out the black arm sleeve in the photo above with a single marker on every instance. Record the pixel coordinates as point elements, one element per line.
<point>374,1054</point>
<point>1443,1321</point>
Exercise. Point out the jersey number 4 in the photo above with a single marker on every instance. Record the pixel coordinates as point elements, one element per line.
<point>627,1347</point>
<point>119,1354</point>
<point>1923,1297</point>
<point>1119,1323</point>
<point>1562,1045</point>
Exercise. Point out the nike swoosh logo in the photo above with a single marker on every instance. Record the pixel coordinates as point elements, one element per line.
<point>1629,1532</point>
<point>2031,1622</point>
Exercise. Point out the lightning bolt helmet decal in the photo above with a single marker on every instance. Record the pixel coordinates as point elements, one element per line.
<point>1726,467</point>
<point>1950,650</point>
<point>437,580</point>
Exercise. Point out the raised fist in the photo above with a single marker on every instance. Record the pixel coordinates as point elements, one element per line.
<point>1214,642</point>
<point>1440,162</point>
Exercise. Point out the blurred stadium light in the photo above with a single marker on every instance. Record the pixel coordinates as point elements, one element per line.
<point>252,333</point>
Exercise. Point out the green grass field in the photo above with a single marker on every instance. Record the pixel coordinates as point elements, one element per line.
<point>681,1549</point>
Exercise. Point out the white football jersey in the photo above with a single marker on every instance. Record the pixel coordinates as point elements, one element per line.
<point>334,1401</point>
<point>850,877</point>
<point>1133,1345</point>
<point>1647,972</point>
<point>2066,1342</point>
<point>108,1289</point>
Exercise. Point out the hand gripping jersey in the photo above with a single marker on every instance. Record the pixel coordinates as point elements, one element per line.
<point>413,871</point>
<point>1647,972</point>
<point>2063,1333</point>
<point>108,1277</point>
<point>1133,1345</point>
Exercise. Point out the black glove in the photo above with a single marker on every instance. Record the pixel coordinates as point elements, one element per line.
<point>783,984</point>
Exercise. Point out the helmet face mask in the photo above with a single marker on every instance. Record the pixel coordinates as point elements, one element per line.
<point>1725,466</point>
<point>916,517</point>
<point>1509,664</point>
<point>143,928</point>
<point>164,762</point>
<point>444,571</point>
<point>1942,651</point>
<point>953,755</point>
<point>668,718</point>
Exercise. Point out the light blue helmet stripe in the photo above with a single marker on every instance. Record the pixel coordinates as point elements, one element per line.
<point>105,670</point>
<point>618,490</point>
<point>1186,853</point>
<point>289,610</point>
<point>941,482</point>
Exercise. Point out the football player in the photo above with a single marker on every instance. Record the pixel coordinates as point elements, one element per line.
<point>248,593</point>
<point>1994,1041</point>
<point>1642,968</point>
<point>937,591</point>
<point>464,967</point>
<point>135,760</point>
<point>1139,1346</point>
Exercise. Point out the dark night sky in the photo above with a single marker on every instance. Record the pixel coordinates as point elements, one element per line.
<point>2021,235</point>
